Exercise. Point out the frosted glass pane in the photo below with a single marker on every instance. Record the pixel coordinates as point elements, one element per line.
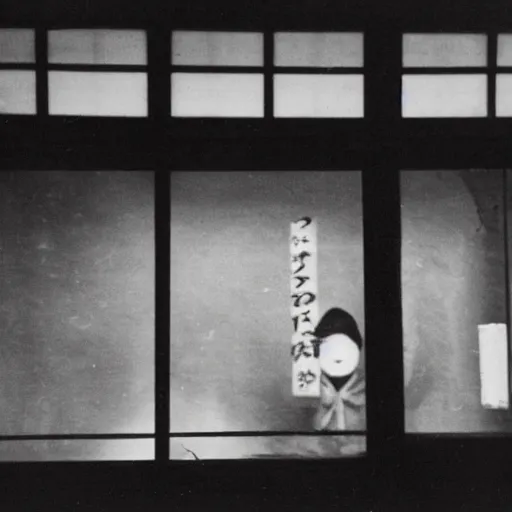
<point>98,94</point>
<point>318,49</point>
<point>454,275</point>
<point>234,228</point>
<point>505,50</point>
<point>77,450</point>
<point>504,95</point>
<point>77,302</point>
<point>97,46</point>
<point>318,96</point>
<point>444,50</point>
<point>17,92</point>
<point>217,48</point>
<point>275,447</point>
<point>17,45</point>
<point>444,96</point>
<point>216,95</point>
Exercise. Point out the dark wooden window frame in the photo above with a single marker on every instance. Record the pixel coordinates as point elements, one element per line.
<point>380,144</point>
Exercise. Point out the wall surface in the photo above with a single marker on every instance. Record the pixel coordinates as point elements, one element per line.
<point>77,310</point>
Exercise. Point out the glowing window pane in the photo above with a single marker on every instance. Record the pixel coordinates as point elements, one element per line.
<point>453,289</point>
<point>97,46</point>
<point>505,50</point>
<point>504,95</point>
<point>17,92</point>
<point>17,45</point>
<point>98,94</point>
<point>217,48</point>
<point>217,95</point>
<point>318,95</point>
<point>230,227</point>
<point>444,50</point>
<point>444,96</point>
<point>77,299</point>
<point>318,49</point>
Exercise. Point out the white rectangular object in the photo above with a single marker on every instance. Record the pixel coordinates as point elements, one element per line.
<point>492,341</point>
<point>217,95</point>
<point>304,307</point>
<point>329,96</point>
<point>98,94</point>
<point>444,95</point>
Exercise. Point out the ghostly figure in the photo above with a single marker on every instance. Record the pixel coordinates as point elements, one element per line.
<point>342,391</point>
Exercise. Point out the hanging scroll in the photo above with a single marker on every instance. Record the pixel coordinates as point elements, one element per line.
<point>304,308</point>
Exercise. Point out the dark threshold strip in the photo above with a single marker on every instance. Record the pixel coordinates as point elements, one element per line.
<point>319,71</point>
<point>268,69</point>
<point>446,71</point>
<point>106,68</point>
<point>216,69</point>
<point>270,433</point>
<point>64,437</point>
<point>458,436</point>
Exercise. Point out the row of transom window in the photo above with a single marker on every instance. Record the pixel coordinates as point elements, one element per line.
<point>98,72</point>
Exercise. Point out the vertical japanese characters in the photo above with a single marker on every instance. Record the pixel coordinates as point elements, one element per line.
<point>304,307</point>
